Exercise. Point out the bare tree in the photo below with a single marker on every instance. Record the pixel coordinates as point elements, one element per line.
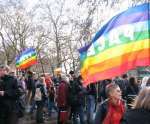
<point>56,22</point>
<point>54,31</point>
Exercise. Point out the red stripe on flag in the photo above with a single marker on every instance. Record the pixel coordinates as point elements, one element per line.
<point>26,65</point>
<point>116,71</point>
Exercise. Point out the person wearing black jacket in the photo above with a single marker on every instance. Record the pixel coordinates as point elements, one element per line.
<point>91,102</point>
<point>30,83</point>
<point>9,93</point>
<point>76,99</point>
<point>131,91</point>
<point>140,114</point>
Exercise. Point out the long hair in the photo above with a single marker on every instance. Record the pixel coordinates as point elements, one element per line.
<point>143,99</point>
<point>132,81</point>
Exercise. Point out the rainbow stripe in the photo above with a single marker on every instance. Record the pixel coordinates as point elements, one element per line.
<point>122,44</point>
<point>26,59</point>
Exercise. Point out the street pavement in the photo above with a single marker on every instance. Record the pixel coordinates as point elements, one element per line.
<point>30,119</point>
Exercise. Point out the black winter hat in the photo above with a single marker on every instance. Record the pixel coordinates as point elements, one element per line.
<point>71,72</point>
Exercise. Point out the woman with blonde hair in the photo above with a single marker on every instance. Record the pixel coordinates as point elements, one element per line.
<point>140,114</point>
<point>112,109</point>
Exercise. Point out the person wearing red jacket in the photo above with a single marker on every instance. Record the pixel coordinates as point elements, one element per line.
<point>48,81</point>
<point>62,99</point>
<point>111,111</point>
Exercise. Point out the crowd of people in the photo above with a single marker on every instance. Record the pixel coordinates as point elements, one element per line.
<point>122,100</point>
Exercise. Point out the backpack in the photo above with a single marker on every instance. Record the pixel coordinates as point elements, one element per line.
<point>38,94</point>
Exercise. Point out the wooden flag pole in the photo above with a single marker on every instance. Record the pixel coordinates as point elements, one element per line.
<point>41,64</point>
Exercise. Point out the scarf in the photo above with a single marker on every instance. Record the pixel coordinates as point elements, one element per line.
<point>115,113</point>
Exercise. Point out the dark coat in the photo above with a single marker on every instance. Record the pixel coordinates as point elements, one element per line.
<point>76,94</point>
<point>136,116</point>
<point>131,93</point>
<point>91,90</point>
<point>101,112</point>
<point>132,90</point>
<point>10,87</point>
<point>30,83</point>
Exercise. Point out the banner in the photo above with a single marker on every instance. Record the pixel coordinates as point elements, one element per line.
<point>122,44</point>
<point>26,59</point>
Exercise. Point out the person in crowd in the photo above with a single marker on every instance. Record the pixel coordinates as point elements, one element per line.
<point>125,78</point>
<point>9,93</point>
<point>62,100</point>
<point>112,109</point>
<point>123,83</point>
<point>34,85</point>
<point>102,89</point>
<point>48,81</point>
<point>140,114</point>
<point>40,97</point>
<point>77,100</point>
<point>132,91</point>
<point>22,82</point>
<point>51,100</point>
<point>57,79</point>
<point>21,101</point>
<point>72,79</point>
<point>91,102</point>
<point>12,73</point>
<point>148,82</point>
<point>30,85</point>
<point>145,82</point>
<point>139,81</point>
<point>50,104</point>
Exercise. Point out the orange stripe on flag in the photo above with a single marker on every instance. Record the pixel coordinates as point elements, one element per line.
<point>116,51</point>
<point>123,68</point>
<point>116,61</point>
<point>29,63</point>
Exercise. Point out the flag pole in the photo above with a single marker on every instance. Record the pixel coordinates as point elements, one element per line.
<point>41,63</point>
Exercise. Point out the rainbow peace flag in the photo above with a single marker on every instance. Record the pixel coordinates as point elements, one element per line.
<point>26,59</point>
<point>122,44</point>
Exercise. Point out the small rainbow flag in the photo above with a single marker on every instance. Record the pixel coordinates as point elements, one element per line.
<point>122,44</point>
<point>26,59</point>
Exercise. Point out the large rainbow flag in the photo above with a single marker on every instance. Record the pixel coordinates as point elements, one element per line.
<point>26,59</point>
<point>122,44</point>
